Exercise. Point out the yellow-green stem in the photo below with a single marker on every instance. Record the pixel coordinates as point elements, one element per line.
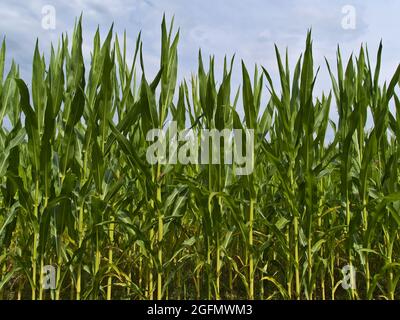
<point>35,241</point>
<point>251,257</point>
<point>110,259</point>
<point>160,236</point>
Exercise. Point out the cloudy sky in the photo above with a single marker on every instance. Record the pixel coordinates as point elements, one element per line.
<point>247,28</point>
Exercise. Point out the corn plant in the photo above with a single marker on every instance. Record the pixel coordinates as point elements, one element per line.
<point>78,193</point>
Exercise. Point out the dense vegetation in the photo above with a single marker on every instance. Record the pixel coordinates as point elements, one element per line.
<point>78,193</point>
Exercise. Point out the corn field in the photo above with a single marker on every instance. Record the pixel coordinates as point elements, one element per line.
<point>78,194</point>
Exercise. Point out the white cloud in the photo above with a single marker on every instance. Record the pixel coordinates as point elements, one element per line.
<point>247,28</point>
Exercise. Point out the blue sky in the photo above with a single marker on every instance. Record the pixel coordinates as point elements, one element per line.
<point>247,28</point>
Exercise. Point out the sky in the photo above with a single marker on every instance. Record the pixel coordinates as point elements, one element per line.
<point>249,29</point>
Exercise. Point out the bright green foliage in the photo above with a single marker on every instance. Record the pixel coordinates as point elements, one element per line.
<point>78,193</point>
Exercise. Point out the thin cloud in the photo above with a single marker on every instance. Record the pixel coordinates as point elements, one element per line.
<point>247,28</point>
